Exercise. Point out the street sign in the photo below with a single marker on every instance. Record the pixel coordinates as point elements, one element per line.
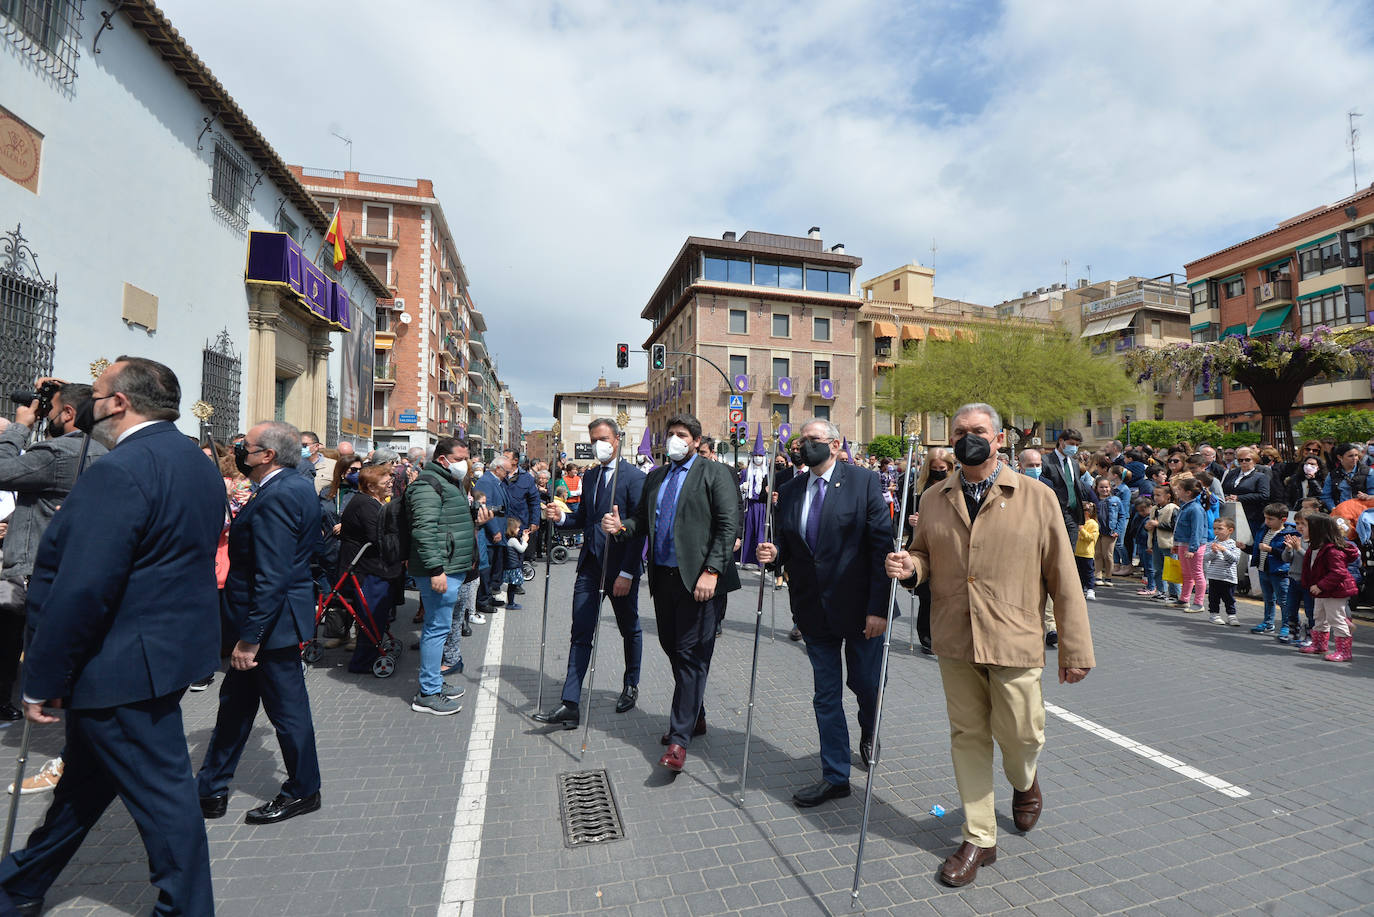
<point>736,417</point>
<point>407,417</point>
<point>736,402</point>
<point>582,450</point>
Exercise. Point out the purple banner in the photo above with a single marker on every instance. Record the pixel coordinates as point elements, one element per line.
<point>784,387</point>
<point>316,290</point>
<point>274,257</point>
<point>827,389</point>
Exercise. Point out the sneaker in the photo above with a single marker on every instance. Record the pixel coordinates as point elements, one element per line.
<point>1218,619</point>
<point>1192,609</point>
<point>436,704</point>
<point>452,691</point>
<point>1052,640</point>
<point>478,618</point>
<point>513,606</point>
<point>1235,621</point>
<point>43,781</point>
<point>1304,643</point>
<point>202,684</point>
<point>1263,628</point>
<point>1283,636</point>
<point>1090,594</point>
<point>1108,584</point>
<point>1173,601</point>
<point>1147,593</point>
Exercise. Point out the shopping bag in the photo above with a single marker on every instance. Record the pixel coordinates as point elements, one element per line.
<point>1173,570</point>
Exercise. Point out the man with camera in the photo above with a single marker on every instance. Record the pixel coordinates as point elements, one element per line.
<point>40,475</point>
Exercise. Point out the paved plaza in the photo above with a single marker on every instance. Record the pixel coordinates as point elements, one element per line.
<point>1198,770</point>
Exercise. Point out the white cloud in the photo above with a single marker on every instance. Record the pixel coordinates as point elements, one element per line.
<point>575,145</point>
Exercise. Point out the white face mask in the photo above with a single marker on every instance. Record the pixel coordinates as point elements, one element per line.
<point>604,451</point>
<point>458,470</point>
<point>757,460</point>
<point>1310,470</point>
<point>678,448</point>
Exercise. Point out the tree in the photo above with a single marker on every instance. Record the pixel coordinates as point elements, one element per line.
<point>1342,425</point>
<point>892,447</point>
<point>1020,369</point>
<point>1161,434</point>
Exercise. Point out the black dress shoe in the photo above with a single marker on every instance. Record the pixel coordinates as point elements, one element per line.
<point>282,808</point>
<point>796,634</point>
<point>214,806</point>
<point>866,751</point>
<point>819,793</point>
<point>31,907</point>
<point>626,700</point>
<point>564,715</point>
<point>9,713</point>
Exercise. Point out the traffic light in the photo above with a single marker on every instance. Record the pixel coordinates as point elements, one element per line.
<point>622,355</point>
<point>658,356</point>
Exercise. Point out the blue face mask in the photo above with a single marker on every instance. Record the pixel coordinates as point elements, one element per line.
<point>1033,472</point>
<point>351,479</point>
<point>1070,449</point>
<point>305,452</point>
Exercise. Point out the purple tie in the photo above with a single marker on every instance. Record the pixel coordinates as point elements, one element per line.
<point>813,519</point>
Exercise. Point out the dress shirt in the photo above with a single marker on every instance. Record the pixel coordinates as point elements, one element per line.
<point>670,560</point>
<point>811,491</point>
<point>134,429</point>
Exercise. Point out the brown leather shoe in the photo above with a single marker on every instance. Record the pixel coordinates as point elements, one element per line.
<point>1026,806</point>
<point>674,758</point>
<point>961,868</point>
<point>698,730</point>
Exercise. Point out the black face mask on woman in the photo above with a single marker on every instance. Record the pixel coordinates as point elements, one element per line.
<point>972,449</point>
<point>939,475</point>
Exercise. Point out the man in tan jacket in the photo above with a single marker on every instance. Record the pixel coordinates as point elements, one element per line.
<point>993,546</point>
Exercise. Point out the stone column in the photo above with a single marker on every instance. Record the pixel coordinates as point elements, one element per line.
<point>263,315</point>
<point>318,351</point>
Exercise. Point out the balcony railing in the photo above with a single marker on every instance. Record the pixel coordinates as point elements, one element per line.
<point>1148,293</point>
<point>384,372</point>
<point>1273,292</point>
<point>375,233</point>
<point>1125,342</point>
<point>1105,429</point>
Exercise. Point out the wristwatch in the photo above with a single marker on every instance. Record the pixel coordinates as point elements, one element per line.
<point>711,570</point>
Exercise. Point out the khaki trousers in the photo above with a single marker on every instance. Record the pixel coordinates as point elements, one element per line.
<point>987,702</point>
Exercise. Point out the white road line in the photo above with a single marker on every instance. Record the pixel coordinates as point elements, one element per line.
<point>1152,754</point>
<point>465,845</point>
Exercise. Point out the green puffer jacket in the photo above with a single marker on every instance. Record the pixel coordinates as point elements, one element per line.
<point>441,530</point>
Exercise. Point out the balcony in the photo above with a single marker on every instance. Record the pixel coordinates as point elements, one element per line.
<point>1148,294</point>
<point>374,234</point>
<point>1273,293</point>
<point>823,390</point>
<point>447,389</point>
<point>782,386</point>
<point>1105,429</point>
<point>383,374</point>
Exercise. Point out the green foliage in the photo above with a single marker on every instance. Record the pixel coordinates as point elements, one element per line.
<point>1236,440</point>
<point>886,447</point>
<point>1342,425</point>
<point>1020,369</point>
<point>1164,433</point>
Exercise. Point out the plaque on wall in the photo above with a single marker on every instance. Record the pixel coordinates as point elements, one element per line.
<point>21,149</point>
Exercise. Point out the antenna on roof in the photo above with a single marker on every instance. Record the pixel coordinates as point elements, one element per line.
<point>349,141</point>
<point>1065,262</point>
<point>1353,142</point>
<point>933,250</point>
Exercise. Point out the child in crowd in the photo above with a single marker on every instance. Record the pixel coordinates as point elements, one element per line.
<point>1219,563</point>
<point>513,539</point>
<point>1190,533</point>
<point>1125,544</point>
<point>1144,507</point>
<point>1273,569</point>
<point>1294,549</point>
<point>1326,571</point>
<point>1083,551</point>
<point>1160,529</point>
<point>1111,521</point>
<point>514,576</point>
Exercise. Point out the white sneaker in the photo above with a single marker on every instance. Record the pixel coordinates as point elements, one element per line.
<point>477,618</point>
<point>1090,594</point>
<point>1218,619</point>
<point>43,781</point>
<point>1233,620</point>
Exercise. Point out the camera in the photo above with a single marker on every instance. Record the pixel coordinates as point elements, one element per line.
<point>43,396</point>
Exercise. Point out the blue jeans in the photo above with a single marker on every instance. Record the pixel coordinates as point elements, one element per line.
<point>434,634</point>
<point>1297,595</point>
<point>1147,564</point>
<point>1157,560</point>
<point>1274,587</point>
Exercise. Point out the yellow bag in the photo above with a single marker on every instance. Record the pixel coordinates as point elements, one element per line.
<point>1173,570</point>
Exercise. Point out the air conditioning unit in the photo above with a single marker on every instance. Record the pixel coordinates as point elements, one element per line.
<point>884,350</point>
<point>398,304</point>
<point>1362,232</point>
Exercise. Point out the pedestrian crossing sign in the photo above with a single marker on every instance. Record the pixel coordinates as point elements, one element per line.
<point>736,402</point>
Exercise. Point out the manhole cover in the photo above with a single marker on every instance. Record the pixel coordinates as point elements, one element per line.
<point>587,805</point>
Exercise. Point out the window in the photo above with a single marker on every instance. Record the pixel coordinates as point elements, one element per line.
<point>1159,410</point>
<point>45,30</point>
<point>1278,273</point>
<point>728,270</point>
<point>622,407</point>
<point>789,277</point>
<point>782,366</point>
<point>1202,299</point>
<point>1206,335</point>
<point>1321,259</point>
<point>229,185</point>
<point>1156,329</point>
<point>820,329</point>
<point>584,407</point>
<point>822,412</point>
<point>739,321</point>
<point>1352,250</point>
<point>739,365</point>
<point>1344,306</point>
<point>897,285</point>
<point>377,221</point>
<point>820,370</point>
<point>380,262</point>
<point>782,325</point>
<point>816,279</point>
<point>287,225</point>
<point>28,316</point>
<point>838,282</point>
<point>1233,288</point>
<point>766,275</point>
<point>784,411</point>
<point>716,269</point>
<point>219,386</point>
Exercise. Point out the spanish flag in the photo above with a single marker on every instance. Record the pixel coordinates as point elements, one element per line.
<point>335,237</point>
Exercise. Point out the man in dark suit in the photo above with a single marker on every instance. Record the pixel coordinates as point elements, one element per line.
<point>1059,469</point>
<point>833,532</point>
<point>271,600</point>
<point>623,564</point>
<point>690,516</point>
<point>124,616</point>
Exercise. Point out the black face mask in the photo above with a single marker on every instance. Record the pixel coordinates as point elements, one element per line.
<point>241,458</point>
<point>972,450</point>
<point>939,475</point>
<point>55,427</point>
<point>85,417</point>
<point>796,459</point>
<point>814,453</point>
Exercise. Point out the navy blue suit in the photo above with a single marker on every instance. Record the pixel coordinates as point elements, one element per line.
<point>832,590</point>
<point>271,600</point>
<point>124,606</point>
<point>625,557</point>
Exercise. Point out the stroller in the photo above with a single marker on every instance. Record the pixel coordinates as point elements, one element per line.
<point>388,647</point>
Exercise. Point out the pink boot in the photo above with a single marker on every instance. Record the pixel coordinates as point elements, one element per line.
<point>1340,651</point>
<point>1319,639</point>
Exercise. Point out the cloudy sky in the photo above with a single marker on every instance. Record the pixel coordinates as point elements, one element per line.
<point>576,145</point>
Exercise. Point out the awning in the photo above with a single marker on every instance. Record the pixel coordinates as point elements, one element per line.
<point>940,334</point>
<point>1202,327</point>
<point>1271,321</point>
<point>915,333</point>
<point>1237,330</point>
<point>964,334</point>
<point>884,330</point>
<point>1272,265</point>
<point>383,343</point>
<point>1108,325</point>
<point>1120,322</point>
<point>1095,328</point>
<point>1315,242</point>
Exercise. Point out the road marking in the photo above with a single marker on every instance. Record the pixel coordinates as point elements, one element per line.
<point>1152,754</point>
<point>465,845</point>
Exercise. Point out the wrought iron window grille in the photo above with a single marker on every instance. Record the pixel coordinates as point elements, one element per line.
<point>220,385</point>
<point>230,192</point>
<point>28,316</point>
<point>46,31</point>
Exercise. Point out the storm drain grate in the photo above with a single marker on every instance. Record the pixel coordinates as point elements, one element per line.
<point>590,815</point>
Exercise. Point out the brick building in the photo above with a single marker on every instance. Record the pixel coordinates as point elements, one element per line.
<point>433,373</point>
<point>1312,270</point>
<point>541,446</point>
<point>777,314</point>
